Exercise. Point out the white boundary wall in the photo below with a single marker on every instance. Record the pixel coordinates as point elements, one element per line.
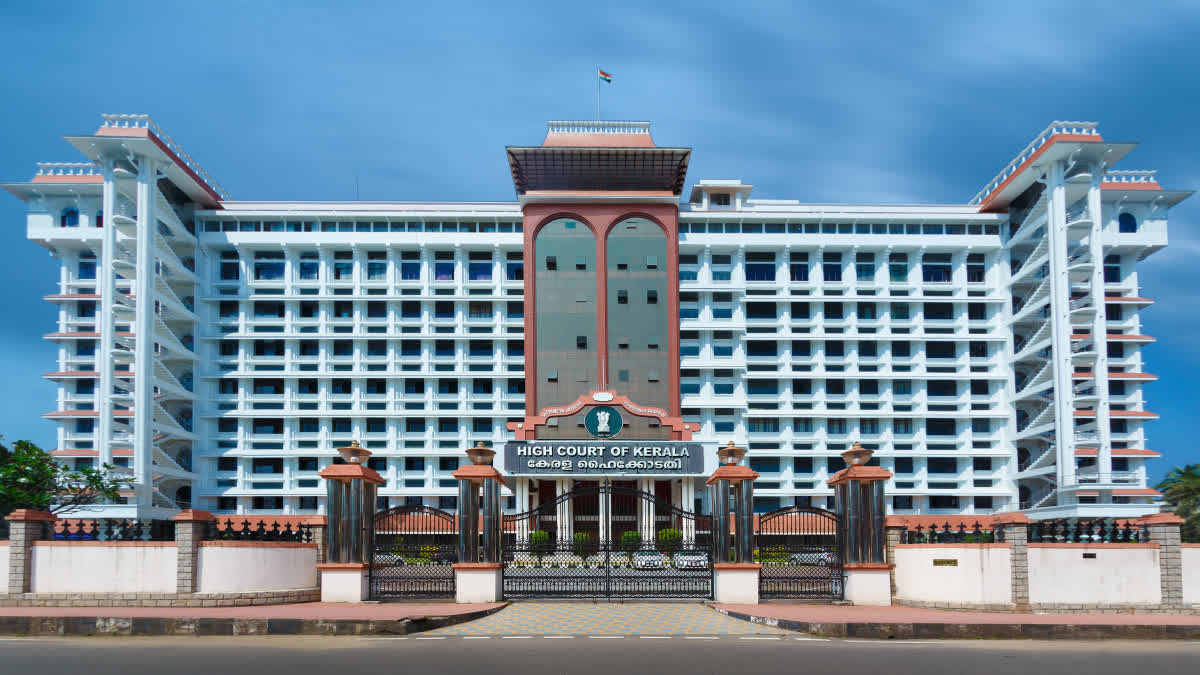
<point>1191,573</point>
<point>255,567</point>
<point>4,564</point>
<point>981,577</point>
<point>79,567</point>
<point>1118,575</point>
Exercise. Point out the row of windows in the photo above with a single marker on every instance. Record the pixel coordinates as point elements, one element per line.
<point>369,309</point>
<point>838,228</point>
<point>359,226</point>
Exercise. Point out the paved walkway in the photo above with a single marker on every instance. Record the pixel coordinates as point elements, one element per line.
<point>327,611</point>
<point>906,615</point>
<point>587,618</point>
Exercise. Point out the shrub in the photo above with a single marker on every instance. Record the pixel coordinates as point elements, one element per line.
<point>670,540</point>
<point>581,544</point>
<point>631,541</point>
<point>540,543</point>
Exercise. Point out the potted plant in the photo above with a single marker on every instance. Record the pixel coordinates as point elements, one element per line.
<point>670,541</point>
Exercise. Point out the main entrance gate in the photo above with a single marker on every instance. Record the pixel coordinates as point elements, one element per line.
<point>414,548</point>
<point>607,541</point>
<point>800,554</point>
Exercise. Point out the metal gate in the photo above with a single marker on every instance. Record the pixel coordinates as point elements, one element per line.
<point>607,541</point>
<point>800,554</point>
<point>412,554</point>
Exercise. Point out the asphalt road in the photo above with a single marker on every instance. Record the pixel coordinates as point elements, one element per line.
<point>606,656</point>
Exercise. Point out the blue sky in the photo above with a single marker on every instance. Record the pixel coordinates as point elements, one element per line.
<point>823,102</point>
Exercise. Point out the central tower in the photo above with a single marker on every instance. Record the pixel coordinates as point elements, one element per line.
<point>600,204</point>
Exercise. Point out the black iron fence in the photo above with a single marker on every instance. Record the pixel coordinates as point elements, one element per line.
<point>231,530</point>
<point>109,529</point>
<point>1079,531</point>
<point>949,533</point>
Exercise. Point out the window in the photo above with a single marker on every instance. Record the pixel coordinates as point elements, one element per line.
<point>1112,269</point>
<point>898,267</point>
<point>943,502</point>
<point>942,464</point>
<point>940,427</point>
<point>1126,223</point>
<point>622,297</point>
<point>479,271</point>
<point>651,262</point>
<point>903,465</point>
<point>651,297</point>
<point>87,269</point>
<point>69,217</point>
<point>551,262</point>
<point>720,199</point>
<point>832,266</point>
<point>581,342</point>
<point>443,271</point>
<point>935,268</point>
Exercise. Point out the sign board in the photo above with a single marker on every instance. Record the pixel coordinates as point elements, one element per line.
<point>945,562</point>
<point>610,458</point>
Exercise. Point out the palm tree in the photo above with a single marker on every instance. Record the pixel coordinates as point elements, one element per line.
<point>1181,487</point>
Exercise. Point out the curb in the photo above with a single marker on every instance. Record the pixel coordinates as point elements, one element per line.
<point>977,631</point>
<point>128,626</point>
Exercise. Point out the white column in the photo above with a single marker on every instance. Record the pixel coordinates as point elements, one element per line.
<point>1099,330</point>
<point>605,515</point>
<point>1060,325</point>
<point>646,522</point>
<point>687,490</point>
<point>105,323</point>
<point>143,371</point>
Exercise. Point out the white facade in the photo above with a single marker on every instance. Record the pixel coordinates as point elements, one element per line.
<point>939,335</point>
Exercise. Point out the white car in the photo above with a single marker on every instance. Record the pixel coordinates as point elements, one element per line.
<point>822,558</point>
<point>649,560</point>
<point>690,561</point>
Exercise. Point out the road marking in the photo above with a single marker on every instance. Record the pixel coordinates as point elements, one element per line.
<point>811,639</point>
<point>558,637</point>
<point>430,638</point>
<point>606,637</point>
<point>654,637</point>
<point>759,638</point>
<point>694,637</point>
<point>516,637</point>
<point>477,637</point>
<point>383,638</point>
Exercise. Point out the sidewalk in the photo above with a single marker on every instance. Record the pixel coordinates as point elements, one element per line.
<point>911,622</point>
<point>314,618</point>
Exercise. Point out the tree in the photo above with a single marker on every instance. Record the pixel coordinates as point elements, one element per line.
<point>1181,488</point>
<point>31,479</point>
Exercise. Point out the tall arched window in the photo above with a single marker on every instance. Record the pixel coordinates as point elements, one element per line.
<point>1126,223</point>
<point>69,217</point>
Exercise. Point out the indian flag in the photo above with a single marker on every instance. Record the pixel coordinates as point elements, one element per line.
<point>604,76</point>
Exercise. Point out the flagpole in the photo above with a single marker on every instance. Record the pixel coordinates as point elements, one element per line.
<point>597,93</point>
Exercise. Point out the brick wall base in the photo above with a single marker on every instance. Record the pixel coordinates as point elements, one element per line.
<point>161,599</point>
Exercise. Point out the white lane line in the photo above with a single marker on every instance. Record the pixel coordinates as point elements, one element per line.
<point>654,637</point>
<point>430,638</point>
<point>694,637</point>
<point>606,637</point>
<point>516,637</point>
<point>759,638</point>
<point>811,639</point>
<point>477,637</point>
<point>558,637</point>
<point>383,638</point>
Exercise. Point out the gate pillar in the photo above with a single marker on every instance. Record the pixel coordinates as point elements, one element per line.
<point>735,577</point>
<point>350,530</point>
<point>479,574</point>
<point>858,492</point>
